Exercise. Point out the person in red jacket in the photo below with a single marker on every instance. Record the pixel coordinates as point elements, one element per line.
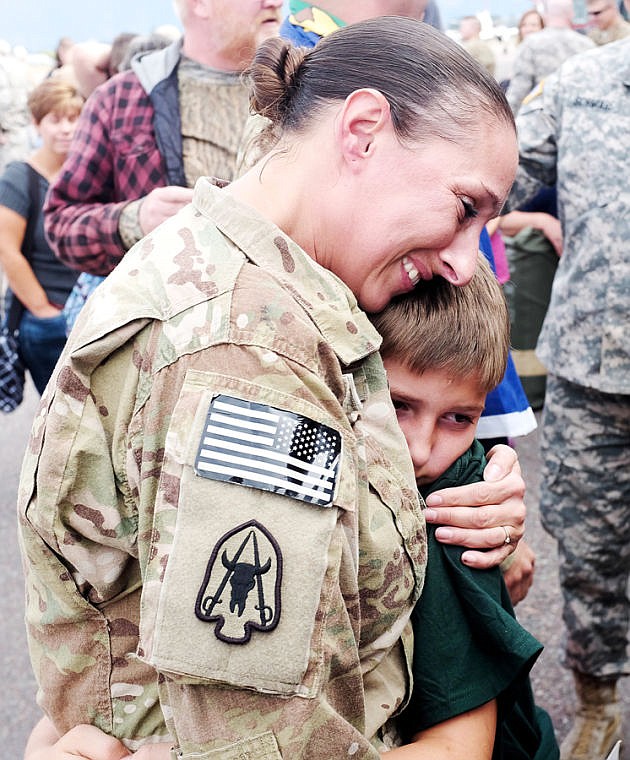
<point>147,134</point>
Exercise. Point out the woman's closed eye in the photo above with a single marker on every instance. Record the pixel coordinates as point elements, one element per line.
<point>470,212</point>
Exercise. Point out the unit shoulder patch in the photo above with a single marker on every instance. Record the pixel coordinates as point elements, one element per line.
<point>242,583</point>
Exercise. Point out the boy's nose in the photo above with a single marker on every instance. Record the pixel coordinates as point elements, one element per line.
<point>420,449</point>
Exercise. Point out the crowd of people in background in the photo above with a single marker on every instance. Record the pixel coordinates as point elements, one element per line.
<point>102,143</point>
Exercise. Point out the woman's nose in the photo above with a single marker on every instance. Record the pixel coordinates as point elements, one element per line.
<point>459,260</point>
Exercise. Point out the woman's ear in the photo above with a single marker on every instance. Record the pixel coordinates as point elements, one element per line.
<point>364,115</point>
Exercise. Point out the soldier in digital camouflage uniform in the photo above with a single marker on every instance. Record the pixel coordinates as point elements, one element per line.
<point>575,132</point>
<point>606,22</point>
<point>219,519</point>
<point>542,52</point>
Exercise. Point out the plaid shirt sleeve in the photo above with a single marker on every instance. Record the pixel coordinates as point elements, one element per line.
<point>113,160</point>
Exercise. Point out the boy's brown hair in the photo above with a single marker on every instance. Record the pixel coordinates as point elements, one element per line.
<point>463,330</point>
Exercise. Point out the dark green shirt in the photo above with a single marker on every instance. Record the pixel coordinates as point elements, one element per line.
<point>469,647</point>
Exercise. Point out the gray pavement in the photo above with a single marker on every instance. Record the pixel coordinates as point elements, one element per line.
<point>540,612</point>
<point>18,711</point>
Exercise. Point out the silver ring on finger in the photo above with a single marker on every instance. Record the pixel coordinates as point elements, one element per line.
<point>508,538</point>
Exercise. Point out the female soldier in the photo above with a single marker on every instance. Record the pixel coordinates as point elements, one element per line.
<point>219,513</point>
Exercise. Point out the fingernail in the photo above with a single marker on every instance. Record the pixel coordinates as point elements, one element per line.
<point>444,534</point>
<point>434,500</point>
<point>430,515</point>
<point>492,472</point>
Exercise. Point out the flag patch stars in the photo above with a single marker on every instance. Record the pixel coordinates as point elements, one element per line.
<point>260,446</point>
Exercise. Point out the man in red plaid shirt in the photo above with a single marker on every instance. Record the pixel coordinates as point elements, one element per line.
<point>146,135</point>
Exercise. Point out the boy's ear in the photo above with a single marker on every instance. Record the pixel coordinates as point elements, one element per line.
<point>364,115</point>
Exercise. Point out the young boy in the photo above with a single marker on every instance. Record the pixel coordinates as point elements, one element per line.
<point>444,348</point>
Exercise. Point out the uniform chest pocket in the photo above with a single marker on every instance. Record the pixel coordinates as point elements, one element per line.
<point>243,563</point>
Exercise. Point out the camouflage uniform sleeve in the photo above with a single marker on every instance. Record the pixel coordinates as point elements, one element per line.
<point>78,534</point>
<point>250,601</point>
<point>536,125</point>
<point>523,78</point>
<point>264,603</point>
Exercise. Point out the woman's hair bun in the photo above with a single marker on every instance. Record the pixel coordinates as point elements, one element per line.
<point>274,78</point>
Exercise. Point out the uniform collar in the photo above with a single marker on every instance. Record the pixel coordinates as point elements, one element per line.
<point>329,302</point>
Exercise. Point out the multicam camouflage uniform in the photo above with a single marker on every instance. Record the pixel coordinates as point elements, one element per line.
<point>575,131</point>
<point>258,621</point>
<point>538,56</point>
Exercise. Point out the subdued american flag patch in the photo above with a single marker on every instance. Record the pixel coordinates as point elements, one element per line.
<point>271,449</point>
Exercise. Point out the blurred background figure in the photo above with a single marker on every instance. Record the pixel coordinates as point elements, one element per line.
<point>39,282</point>
<point>90,63</point>
<point>149,133</point>
<point>142,43</point>
<point>15,137</point>
<point>433,16</point>
<point>63,52</point>
<point>573,133</point>
<point>606,22</point>
<point>470,39</point>
<point>542,52</point>
<point>533,234</point>
<point>531,21</point>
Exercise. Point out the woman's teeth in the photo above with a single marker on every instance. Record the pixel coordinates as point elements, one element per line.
<point>413,273</point>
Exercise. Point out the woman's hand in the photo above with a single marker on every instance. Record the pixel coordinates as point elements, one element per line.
<point>488,515</point>
<point>519,575</point>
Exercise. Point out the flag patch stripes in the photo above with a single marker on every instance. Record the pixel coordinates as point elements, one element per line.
<point>271,449</point>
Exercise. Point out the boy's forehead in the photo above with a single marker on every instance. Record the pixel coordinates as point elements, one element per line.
<point>417,385</point>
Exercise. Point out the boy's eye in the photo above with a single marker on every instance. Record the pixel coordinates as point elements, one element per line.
<point>459,419</point>
<point>464,418</point>
<point>399,405</point>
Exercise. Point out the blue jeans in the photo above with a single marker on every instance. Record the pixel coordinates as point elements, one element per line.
<point>41,344</point>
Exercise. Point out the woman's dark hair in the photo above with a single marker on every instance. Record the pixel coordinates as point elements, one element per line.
<point>433,86</point>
